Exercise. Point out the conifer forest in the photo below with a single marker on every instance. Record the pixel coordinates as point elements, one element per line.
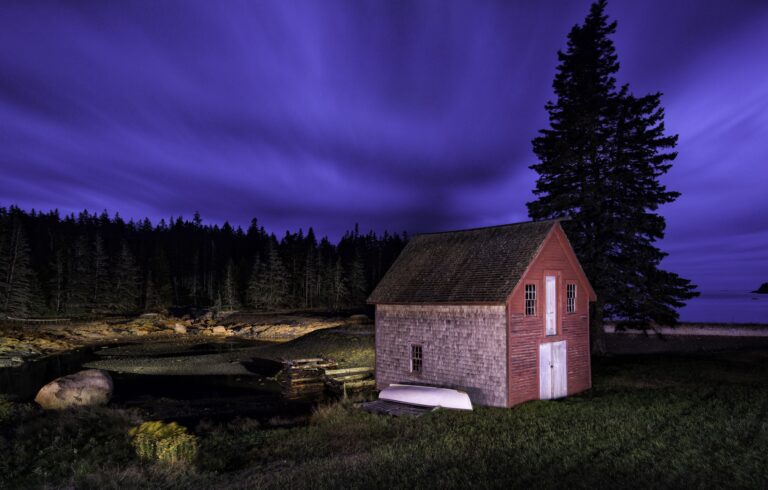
<point>93,264</point>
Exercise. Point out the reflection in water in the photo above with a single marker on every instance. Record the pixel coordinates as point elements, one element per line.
<point>191,381</point>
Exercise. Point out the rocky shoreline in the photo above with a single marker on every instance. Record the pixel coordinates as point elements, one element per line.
<point>19,344</point>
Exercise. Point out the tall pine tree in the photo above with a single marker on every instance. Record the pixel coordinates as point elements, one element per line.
<point>229,293</point>
<point>126,278</point>
<point>599,165</point>
<point>17,281</point>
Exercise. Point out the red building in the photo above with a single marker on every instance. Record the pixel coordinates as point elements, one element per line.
<point>499,312</point>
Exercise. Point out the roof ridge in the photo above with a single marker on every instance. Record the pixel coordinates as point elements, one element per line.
<point>553,220</point>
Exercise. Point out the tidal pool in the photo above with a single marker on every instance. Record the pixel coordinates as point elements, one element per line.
<point>190,380</point>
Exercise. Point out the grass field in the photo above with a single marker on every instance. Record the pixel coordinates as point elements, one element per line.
<point>654,421</point>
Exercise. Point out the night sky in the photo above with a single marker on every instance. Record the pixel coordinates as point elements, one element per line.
<point>396,115</point>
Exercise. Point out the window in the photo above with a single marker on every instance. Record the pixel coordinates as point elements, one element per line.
<point>570,298</point>
<point>416,358</point>
<point>530,299</point>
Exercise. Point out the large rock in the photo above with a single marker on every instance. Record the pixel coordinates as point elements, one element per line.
<point>86,388</point>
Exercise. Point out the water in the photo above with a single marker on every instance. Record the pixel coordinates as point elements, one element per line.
<point>189,381</point>
<point>726,306</point>
<point>182,381</point>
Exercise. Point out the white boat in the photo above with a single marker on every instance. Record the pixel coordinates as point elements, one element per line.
<point>426,396</point>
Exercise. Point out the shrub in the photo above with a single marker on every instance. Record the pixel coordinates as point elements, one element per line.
<point>6,410</point>
<point>169,443</point>
<point>330,414</point>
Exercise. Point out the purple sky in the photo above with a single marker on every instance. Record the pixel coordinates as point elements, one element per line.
<point>397,115</point>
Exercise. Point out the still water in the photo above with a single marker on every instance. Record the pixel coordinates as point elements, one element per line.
<point>726,306</point>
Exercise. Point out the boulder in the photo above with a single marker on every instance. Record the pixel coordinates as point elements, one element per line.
<point>86,388</point>
<point>179,328</point>
<point>220,330</point>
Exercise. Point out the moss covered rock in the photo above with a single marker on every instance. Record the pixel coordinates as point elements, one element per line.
<point>168,443</point>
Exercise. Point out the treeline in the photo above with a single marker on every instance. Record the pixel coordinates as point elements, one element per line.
<point>97,264</point>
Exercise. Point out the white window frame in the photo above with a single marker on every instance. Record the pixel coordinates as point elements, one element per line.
<point>570,299</point>
<point>530,295</point>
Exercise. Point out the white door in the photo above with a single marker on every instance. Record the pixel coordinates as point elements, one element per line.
<point>559,368</point>
<point>551,301</point>
<point>545,371</point>
<point>553,372</point>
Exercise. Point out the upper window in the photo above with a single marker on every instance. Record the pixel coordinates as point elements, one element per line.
<point>416,358</point>
<point>570,298</point>
<point>530,299</point>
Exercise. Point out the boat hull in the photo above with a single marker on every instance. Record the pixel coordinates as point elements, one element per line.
<point>426,396</point>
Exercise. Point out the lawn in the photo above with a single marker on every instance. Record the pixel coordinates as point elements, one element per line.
<point>653,421</point>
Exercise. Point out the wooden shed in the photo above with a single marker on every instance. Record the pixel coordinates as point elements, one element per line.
<point>499,312</point>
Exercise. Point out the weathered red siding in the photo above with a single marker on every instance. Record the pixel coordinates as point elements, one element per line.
<point>527,332</point>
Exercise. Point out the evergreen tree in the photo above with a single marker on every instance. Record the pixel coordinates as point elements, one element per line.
<point>126,279</point>
<point>340,290</point>
<point>229,292</point>
<point>257,285</point>
<point>100,294</point>
<point>310,277</point>
<point>18,279</point>
<point>83,264</point>
<point>80,275</point>
<point>358,285</point>
<point>158,291</point>
<point>58,281</point>
<point>599,165</point>
<point>276,280</point>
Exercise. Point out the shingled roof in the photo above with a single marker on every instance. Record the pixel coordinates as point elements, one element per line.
<point>481,265</point>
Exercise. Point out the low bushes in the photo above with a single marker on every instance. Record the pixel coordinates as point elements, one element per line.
<point>6,410</point>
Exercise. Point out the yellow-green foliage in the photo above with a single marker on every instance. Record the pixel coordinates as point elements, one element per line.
<point>170,443</point>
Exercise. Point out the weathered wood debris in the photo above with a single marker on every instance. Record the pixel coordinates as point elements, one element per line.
<point>301,378</point>
<point>37,321</point>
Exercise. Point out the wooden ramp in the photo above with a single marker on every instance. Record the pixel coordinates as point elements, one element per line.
<point>345,381</point>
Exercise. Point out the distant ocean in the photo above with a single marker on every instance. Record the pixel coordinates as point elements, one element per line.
<point>726,306</point>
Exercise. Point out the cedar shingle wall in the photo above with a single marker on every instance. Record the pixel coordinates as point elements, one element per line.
<point>526,332</point>
<point>463,348</point>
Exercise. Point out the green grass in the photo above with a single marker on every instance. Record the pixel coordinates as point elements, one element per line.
<point>653,421</point>
<point>350,346</point>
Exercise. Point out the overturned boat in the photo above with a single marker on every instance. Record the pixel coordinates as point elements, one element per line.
<point>401,399</point>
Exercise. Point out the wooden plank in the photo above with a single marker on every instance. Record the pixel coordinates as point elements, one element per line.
<point>333,372</point>
<point>361,384</point>
<point>351,377</point>
<point>307,360</point>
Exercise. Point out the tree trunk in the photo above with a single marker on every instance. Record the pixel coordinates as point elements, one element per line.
<point>596,332</point>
